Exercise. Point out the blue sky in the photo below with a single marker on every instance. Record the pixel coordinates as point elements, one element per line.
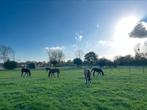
<point>28,26</point>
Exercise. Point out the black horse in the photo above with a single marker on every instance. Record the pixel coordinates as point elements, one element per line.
<point>87,76</point>
<point>98,70</point>
<point>53,72</point>
<point>25,71</point>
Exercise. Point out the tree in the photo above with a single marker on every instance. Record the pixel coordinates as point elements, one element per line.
<point>127,60</point>
<point>6,53</point>
<point>55,55</point>
<point>77,61</point>
<point>69,63</point>
<point>104,62</point>
<point>54,62</point>
<point>141,55</point>
<point>10,64</point>
<point>90,58</point>
<point>124,60</point>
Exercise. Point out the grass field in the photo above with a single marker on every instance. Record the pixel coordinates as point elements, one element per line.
<point>117,90</point>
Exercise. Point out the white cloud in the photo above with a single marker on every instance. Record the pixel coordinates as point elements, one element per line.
<point>54,48</point>
<point>140,30</point>
<point>102,42</point>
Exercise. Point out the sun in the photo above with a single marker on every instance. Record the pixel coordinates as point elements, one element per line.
<point>122,43</point>
<point>125,26</point>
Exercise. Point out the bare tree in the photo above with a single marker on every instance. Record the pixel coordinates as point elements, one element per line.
<point>79,54</point>
<point>141,54</point>
<point>55,55</point>
<point>137,48</point>
<point>144,50</point>
<point>6,53</point>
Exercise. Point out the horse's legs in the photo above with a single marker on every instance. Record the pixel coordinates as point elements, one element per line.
<point>93,73</point>
<point>86,81</point>
<point>85,77</point>
<point>54,75</point>
<point>89,80</point>
<point>21,74</point>
<point>26,74</point>
<point>102,73</point>
<point>58,74</point>
<point>49,74</point>
<point>29,73</point>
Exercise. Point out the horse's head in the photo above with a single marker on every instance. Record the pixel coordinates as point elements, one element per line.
<point>47,69</point>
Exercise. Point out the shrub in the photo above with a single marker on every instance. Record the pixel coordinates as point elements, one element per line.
<point>10,65</point>
<point>31,65</point>
<point>77,61</point>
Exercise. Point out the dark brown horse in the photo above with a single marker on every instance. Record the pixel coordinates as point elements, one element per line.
<point>87,76</point>
<point>97,70</point>
<point>52,72</point>
<point>25,71</point>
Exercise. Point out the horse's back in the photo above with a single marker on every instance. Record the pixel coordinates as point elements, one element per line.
<point>56,70</point>
<point>25,70</point>
<point>97,69</point>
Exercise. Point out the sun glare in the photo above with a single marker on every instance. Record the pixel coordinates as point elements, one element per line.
<point>124,27</point>
<point>122,43</point>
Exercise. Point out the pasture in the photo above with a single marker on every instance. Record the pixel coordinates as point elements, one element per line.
<point>117,90</point>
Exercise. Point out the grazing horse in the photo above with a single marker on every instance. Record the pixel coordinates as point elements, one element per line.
<point>26,71</point>
<point>53,72</point>
<point>87,76</point>
<point>98,70</point>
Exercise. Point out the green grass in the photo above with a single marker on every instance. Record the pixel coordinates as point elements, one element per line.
<point>117,90</point>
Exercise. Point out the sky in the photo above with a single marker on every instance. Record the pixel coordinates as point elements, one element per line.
<point>102,26</point>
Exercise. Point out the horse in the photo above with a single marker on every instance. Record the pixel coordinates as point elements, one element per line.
<point>87,76</point>
<point>98,70</point>
<point>53,72</point>
<point>26,71</point>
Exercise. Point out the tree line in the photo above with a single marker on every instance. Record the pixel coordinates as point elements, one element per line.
<point>56,58</point>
